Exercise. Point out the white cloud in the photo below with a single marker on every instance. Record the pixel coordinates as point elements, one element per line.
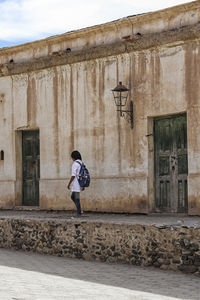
<point>147,5</point>
<point>34,19</point>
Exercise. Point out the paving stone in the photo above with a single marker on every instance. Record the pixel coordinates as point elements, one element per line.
<point>29,276</point>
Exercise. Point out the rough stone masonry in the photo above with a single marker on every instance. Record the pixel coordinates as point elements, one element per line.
<point>174,247</point>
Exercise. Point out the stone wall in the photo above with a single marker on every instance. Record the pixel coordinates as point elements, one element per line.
<point>166,247</point>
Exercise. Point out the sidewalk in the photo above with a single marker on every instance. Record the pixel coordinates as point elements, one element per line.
<point>153,219</point>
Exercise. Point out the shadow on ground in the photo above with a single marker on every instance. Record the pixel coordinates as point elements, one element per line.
<point>156,282</point>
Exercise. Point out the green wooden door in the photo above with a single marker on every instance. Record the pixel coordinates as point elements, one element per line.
<point>31,167</point>
<point>171,164</point>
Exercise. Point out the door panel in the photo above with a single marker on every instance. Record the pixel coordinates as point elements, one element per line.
<point>163,148</point>
<point>31,167</point>
<point>171,164</point>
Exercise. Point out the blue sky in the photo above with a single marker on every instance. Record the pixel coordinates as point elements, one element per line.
<point>28,20</point>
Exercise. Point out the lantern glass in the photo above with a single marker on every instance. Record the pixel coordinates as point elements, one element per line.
<point>120,94</point>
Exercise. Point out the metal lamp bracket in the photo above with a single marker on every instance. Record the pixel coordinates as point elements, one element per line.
<point>128,114</point>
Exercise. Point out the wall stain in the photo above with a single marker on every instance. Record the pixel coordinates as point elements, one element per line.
<point>192,90</point>
<point>118,119</point>
<point>71,109</point>
<point>194,205</point>
<point>31,102</point>
<point>101,109</point>
<point>56,141</point>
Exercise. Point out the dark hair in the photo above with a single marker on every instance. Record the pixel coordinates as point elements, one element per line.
<point>76,155</point>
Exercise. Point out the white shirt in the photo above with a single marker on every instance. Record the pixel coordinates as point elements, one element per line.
<point>75,186</point>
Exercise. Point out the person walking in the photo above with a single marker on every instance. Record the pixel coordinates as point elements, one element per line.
<point>73,183</point>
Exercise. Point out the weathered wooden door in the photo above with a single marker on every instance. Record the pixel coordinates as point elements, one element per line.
<point>31,167</point>
<point>171,163</point>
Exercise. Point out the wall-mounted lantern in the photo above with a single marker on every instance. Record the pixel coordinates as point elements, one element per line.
<point>120,94</point>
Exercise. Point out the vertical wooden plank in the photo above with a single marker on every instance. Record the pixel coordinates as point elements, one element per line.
<point>180,127</point>
<point>162,140</point>
<point>31,166</point>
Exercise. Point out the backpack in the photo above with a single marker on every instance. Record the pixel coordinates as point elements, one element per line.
<point>83,176</point>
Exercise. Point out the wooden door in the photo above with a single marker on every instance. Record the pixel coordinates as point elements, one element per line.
<point>171,163</point>
<point>31,167</point>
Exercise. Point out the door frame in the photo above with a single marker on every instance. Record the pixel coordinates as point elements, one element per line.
<point>19,165</point>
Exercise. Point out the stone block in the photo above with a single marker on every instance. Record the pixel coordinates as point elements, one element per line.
<point>188,268</point>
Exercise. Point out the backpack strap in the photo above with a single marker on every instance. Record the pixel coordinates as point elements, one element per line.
<point>78,162</point>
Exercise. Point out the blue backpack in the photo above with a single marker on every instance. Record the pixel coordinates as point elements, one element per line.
<point>83,176</point>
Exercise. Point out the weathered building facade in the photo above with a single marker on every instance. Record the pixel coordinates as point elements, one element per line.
<point>55,96</point>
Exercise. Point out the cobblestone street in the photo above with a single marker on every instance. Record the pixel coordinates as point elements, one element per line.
<point>28,276</point>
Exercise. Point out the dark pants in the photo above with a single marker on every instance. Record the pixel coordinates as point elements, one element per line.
<point>75,196</point>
